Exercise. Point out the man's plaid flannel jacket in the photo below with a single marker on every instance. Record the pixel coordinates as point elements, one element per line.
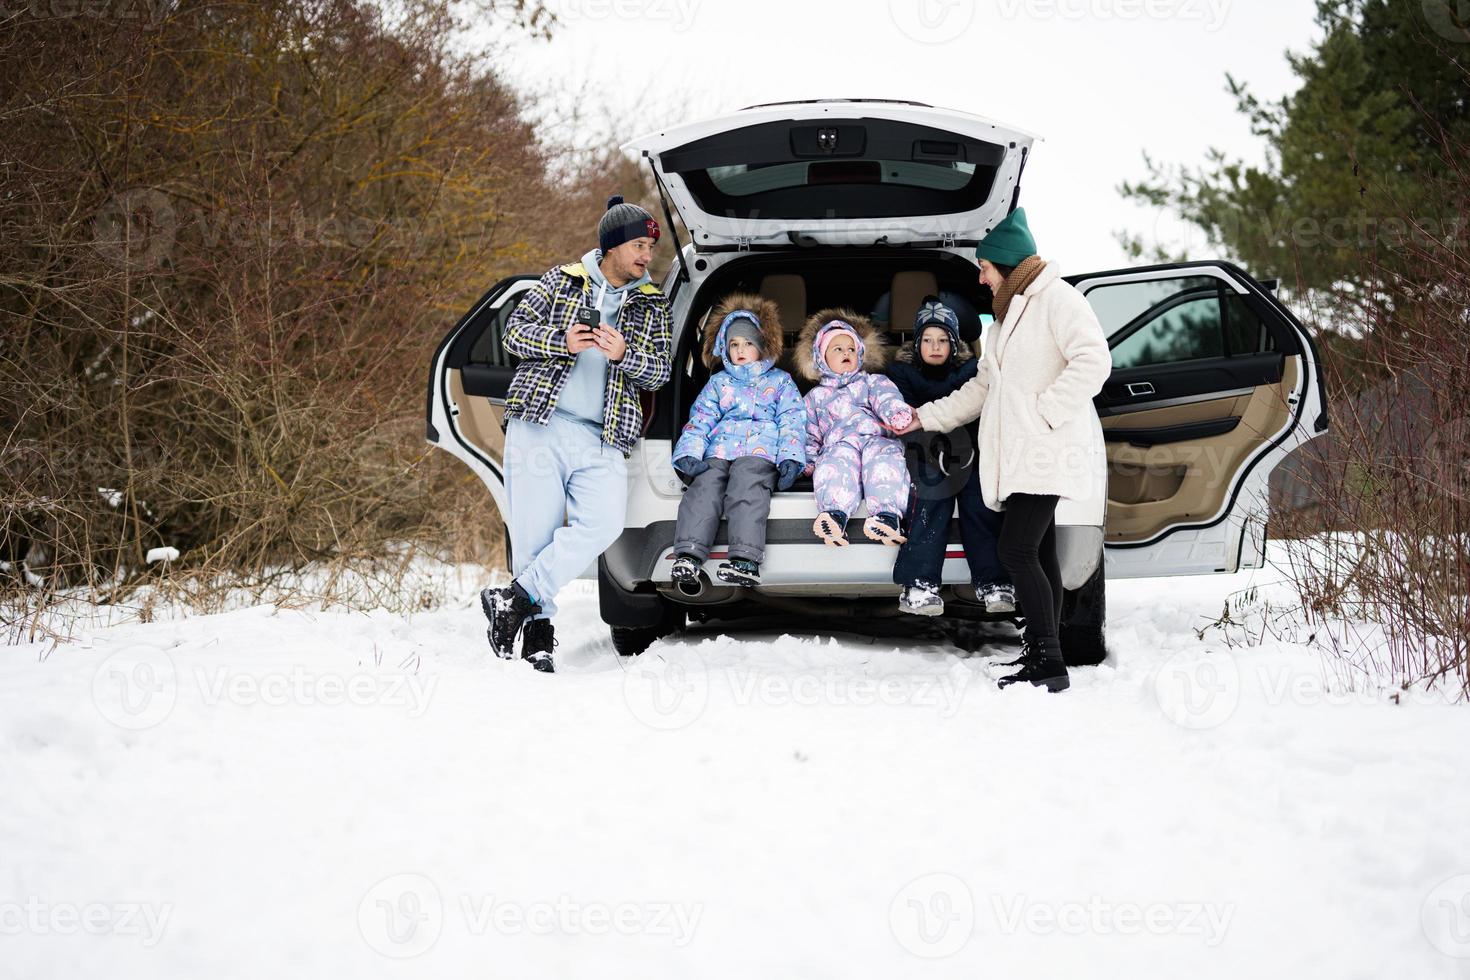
<point>537,333</point>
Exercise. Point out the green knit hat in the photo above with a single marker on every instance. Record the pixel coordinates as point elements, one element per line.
<point>1010,242</point>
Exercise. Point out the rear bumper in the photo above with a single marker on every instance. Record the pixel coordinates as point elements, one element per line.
<point>641,560</point>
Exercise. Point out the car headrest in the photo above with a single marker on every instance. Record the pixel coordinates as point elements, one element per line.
<point>909,290</point>
<point>788,291</point>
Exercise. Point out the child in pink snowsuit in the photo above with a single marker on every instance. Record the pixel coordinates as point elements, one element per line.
<point>851,455</point>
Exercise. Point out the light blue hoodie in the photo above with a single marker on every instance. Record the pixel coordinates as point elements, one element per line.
<point>583,395</point>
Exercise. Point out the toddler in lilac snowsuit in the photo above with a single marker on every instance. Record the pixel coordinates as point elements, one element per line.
<point>743,440</point>
<point>853,458</point>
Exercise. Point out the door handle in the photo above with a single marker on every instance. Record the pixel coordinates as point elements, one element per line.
<point>1137,389</point>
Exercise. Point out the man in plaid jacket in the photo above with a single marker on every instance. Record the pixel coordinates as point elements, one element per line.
<point>571,417</point>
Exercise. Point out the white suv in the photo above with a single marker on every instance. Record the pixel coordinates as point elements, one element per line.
<point>844,202</point>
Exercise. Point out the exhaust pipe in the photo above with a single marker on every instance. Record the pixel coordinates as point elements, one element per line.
<point>693,589</point>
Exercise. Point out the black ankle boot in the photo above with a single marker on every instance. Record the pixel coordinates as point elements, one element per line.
<point>507,609</point>
<point>1041,666</point>
<point>1028,654</point>
<point>538,639</point>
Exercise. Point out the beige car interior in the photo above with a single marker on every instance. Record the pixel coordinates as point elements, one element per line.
<point>479,418</point>
<point>1157,486</point>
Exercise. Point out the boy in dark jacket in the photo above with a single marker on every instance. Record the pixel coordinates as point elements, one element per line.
<point>943,469</point>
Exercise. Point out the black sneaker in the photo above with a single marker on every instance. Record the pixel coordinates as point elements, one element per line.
<point>537,641</point>
<point>686,568</point>
<point>1044,667</point>
<point>507,609</point>
<point>739,571</point>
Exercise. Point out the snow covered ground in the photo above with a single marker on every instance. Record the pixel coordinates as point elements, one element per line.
<point>285,793</point>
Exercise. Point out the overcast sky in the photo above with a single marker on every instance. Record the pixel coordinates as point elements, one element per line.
<point>1102,81</point>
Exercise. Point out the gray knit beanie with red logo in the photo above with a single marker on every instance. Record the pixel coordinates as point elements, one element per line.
<point>624,222</point>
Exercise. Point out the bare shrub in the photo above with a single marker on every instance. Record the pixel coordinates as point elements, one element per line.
<point>1379,533</point>
<point>230,238</point>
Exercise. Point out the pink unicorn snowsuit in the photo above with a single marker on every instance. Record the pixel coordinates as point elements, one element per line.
<point>855,458</point>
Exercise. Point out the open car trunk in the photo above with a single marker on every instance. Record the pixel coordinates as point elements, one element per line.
<point>838,172</point>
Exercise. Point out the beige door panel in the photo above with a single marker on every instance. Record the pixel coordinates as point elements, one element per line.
<point>1151,488</point>
<point>479,419</point>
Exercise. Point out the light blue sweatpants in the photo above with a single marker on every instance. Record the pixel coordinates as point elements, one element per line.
<point>568,499</point>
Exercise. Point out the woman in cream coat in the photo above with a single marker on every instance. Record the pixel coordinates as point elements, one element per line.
<point>1045,359</point>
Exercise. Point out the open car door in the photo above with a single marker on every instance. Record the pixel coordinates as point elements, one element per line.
<point>468,379</point>
<point>1214,381</point>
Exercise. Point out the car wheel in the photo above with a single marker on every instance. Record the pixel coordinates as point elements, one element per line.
<point>630,641</point>
<point>1084,612</point>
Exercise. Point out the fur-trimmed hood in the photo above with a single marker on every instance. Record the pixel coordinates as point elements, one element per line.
<point>773,339</point>
<point>873,349</point>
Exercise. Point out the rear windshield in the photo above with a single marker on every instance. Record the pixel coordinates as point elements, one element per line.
<point>852,168</point>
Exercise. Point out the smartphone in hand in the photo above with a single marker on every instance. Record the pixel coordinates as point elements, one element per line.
<point>587,318</point>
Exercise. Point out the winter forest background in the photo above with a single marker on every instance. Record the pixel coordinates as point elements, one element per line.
<point>232,234</point>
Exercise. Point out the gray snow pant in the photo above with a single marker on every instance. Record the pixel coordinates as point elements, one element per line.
<point>740,489</point>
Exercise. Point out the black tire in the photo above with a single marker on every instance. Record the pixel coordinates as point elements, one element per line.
<point>630,641</point>
<point>1084,613</point>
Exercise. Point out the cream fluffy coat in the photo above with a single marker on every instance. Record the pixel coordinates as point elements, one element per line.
<point>1033,396</point>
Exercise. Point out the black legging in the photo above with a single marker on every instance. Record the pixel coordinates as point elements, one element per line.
<point>1028,549</point>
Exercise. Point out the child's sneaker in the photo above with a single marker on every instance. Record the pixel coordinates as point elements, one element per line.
<point>686,568</point>
<point>884,528</point>
<point>996,598</point>
<point>739,571</point>
<point>831,527</point>
<point>921,599</point>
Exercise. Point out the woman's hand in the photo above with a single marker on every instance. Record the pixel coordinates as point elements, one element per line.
<point>915,425</point>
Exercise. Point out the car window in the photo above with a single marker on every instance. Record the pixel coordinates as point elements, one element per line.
<point>1165,321</point>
